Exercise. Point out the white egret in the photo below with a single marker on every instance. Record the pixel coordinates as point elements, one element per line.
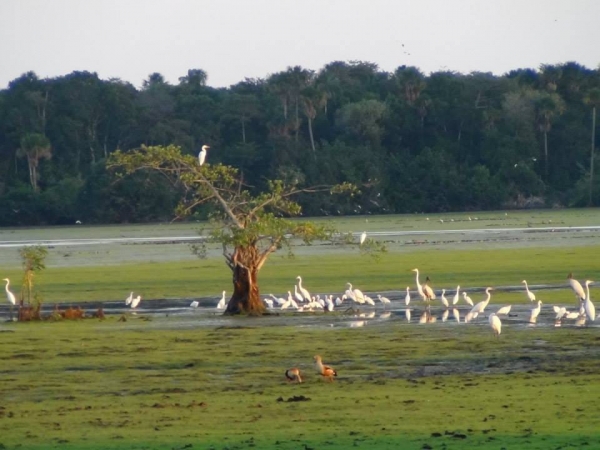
<point>194,304</point>
<point>9,295</point>
<point>384,300</point>
<point>221,304</point>
<point>356,294</point>
<point>202,154</point>
<point>293,374</point>
<point>268,302</point>
<point>590,309</point>
<point>303,292</point>
<point>530,294</point>
<point>504,310</point>
<point>363,237</point>
<point>278,300</point>
<point>467,299</point>
<point>577,288</point>
<point>456,296</point>
<point>323,370</point>
<point>407,298</point>
<point>560,312</point>
<point>496,324</point>
<point>129,299</point>
<point>535,312</point>
<point>329,306</point>
<point>571,315</point>
<point>419,287</point>
<point>297,294</point>
<point>340,301</point>
<point>369,300</point>
<point>443,298</point>
<point>480,307</point>
<point>136,301</point>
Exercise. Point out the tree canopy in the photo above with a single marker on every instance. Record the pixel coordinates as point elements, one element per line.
<point>422,142</point>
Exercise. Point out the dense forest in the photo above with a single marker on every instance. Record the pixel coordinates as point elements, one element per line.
<point>413,143</point>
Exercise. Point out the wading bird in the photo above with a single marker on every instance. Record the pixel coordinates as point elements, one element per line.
<point>496,324</point>
<point>577,288</point>
<point>202,154</point>
<point>384,300</point>
<point>480,307</point>
<point>10,297</point>
<point>129,299</point>
<point>590,309</point>
<point>363,237</point>
<point>427,290</point>
<point>293,374</point>
<point>504,310</point>
<point>456,296</point>
<point>136,301</point>
<point>530,294</point>
<point>535,312</point>
<point>304,292</point>
<point>407,298</point>
<point>324,371</point>
<point>467,299</point>
<point>221,304</point>
<point>443,298</point>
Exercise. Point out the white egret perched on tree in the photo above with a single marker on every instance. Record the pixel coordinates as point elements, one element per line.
<point>202,154</point>
<point>530,294</point>
<point>590,309</point>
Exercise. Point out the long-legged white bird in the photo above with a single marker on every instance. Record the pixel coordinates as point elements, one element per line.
<point>363,237</point>
<point>297,294</point>
<point>467,299</point>
<point>129,299</point>
<point>456,297</point>
<point>357,294</point>
<point>202,154</point>
<point>590,309</point>
<point>221,304</point>
<point>496,324</point>
<point>535,312</point>
<point>577,288</point>
<point>304,292</point>
<point>443,298</point>
<point>384,300</point>
<point>407,297</point>
<point>480,307</point>
<point>419,287</point>
<point>136,301</point>
<point>504,310</point>
<point>10,297</point>
<point>530,294</point>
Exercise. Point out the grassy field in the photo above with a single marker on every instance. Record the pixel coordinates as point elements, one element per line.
<point>121,386</point>
<point>161,383</point>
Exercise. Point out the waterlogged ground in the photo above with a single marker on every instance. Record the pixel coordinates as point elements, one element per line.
<point>152,384</point>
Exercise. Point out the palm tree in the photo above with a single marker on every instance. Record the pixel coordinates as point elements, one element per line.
<point>34,146</point>
<point>547,106</point>
<point>593,99</point>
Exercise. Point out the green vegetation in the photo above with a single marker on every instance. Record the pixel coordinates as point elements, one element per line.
<point>139,384</point>
<point>412,142</point>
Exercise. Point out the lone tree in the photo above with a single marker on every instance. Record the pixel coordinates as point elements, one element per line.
<point>249,226</point>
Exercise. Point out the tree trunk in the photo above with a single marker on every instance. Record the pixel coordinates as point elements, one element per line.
<point>246,295</point>
<point>592,156</point>
<point>312,139</point>
<point>546,153</point>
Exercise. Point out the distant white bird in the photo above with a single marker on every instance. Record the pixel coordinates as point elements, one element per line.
<point>221,304</point>
<point>530,294</point>
<point>136,301</point>
<point>443,298</point>
<point>467,299</point>
<point>535,312</point>
<point>560,312</point>
<point>278,300</point>
<point>340,301</point>
<point>407,298</point>
<point>456,296</point>
<point>329,306</point>
<point>304,292</point>
<point>590,309</point>
<point>297,294</point>
<point>369,300</point>
<point>504,310</point>
<point>363,237</point>
<point>496,324</point>
<point>268,302</point>
<point>577,288</point>
<point>10,297</point>
<point>194,304</point>
<point>480,307</point>
<point>428,291</point>
<point>356,294</point>
<point>202,154</point>
<point>419,287</point>
<point>384,300</point>
<point>129,299</point>
<point>571,315</point>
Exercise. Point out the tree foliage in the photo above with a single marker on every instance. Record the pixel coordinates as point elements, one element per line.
<point>421,142</point>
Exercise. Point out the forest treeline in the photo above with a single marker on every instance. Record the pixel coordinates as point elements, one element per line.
<point>413,143</point>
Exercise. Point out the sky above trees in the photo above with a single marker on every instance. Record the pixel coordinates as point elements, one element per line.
<point>232,40</point>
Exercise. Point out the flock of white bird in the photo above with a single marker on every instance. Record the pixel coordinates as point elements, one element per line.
<point>302,300</point>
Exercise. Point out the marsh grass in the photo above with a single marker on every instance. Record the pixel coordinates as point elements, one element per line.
<point>114,385</point>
